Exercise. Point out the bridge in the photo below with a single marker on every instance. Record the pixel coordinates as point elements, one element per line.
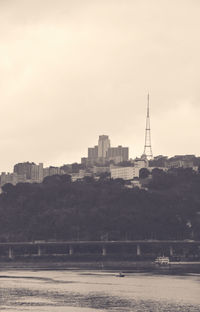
<point>136,248</point>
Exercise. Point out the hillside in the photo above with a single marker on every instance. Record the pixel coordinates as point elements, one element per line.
<point>101,210</point>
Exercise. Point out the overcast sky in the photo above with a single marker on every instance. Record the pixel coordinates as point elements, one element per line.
<point>71,70</point>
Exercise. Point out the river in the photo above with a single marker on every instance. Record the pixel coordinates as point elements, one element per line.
<point>97,291</point>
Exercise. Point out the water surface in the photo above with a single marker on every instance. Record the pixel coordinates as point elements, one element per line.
<point>92,291</point>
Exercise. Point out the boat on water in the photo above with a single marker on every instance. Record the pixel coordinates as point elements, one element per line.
<point>120,274</point>
<point>162,260</point>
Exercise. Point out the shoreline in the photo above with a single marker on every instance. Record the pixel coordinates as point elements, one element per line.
<point>125,266</point>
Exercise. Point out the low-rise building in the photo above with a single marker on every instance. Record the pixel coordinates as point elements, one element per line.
<point>181,161</point>
<point>140,163</point>
<point>80,175</point>
<point>49,171</point>
<point>12,178</point>
<point>133,183</point>
<point>99,170</point>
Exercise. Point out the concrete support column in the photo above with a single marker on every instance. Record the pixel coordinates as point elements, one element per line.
<point>171,251</point>
<point>71,250</point>
<point>104,251</point>
<point>138,250</point>
<point>10,253</point>
<point>39,250</point>
<point>184,251</point>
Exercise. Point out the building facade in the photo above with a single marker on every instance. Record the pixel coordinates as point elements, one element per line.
<point>49,171</point>
<point>118,154</point>
<point>31,171</point>
<point>93,153</point>
<point>103,146</point>
<point>125,173</point>
<point>24,168</point>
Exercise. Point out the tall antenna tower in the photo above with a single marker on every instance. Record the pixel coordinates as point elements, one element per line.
<point>147,144</point>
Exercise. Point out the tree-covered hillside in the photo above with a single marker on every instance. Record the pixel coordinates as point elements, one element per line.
<point>101,210</point>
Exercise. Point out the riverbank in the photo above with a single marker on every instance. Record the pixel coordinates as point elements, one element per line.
<point>125,266</point>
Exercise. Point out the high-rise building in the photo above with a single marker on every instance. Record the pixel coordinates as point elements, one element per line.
<point>24,168</point>
<point>103,152</point>
<point>118,154</point>
<point>31,171</point>
<point>37,172</point>
<point>103,146</point>
<point>93,153</point>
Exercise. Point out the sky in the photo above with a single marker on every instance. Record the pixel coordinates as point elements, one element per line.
<point>72,70</point>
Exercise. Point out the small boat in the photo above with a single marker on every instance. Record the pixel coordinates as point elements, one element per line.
<point>120,274</point>
<point>162,260</point>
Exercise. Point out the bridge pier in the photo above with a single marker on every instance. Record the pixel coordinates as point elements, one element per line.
<point>40,251</point>
<point>171,251</point>
<point>138,251</point>
<point>104,251</point>
<point>185,250</point>
<point>71,250</point>
<point>10,253</point>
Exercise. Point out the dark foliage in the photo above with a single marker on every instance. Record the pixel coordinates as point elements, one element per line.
<point>102,210</point>
<point>144,173</point>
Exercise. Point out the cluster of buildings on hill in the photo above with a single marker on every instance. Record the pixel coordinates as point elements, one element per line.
<point>103,153</point>
<point>105,156</point>
<point>102,159</point>
<point>28,172</point>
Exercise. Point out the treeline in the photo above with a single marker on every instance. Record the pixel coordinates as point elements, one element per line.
<point>58,209</point>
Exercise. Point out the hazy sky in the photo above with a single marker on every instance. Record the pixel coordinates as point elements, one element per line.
<point>71,70</point>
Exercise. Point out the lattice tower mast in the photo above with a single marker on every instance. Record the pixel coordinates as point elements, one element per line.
<point>147,145</point>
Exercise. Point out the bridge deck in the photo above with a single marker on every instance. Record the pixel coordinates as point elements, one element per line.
<point>102,243</point>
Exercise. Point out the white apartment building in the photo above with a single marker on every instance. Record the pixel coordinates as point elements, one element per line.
<point>125,173</point>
